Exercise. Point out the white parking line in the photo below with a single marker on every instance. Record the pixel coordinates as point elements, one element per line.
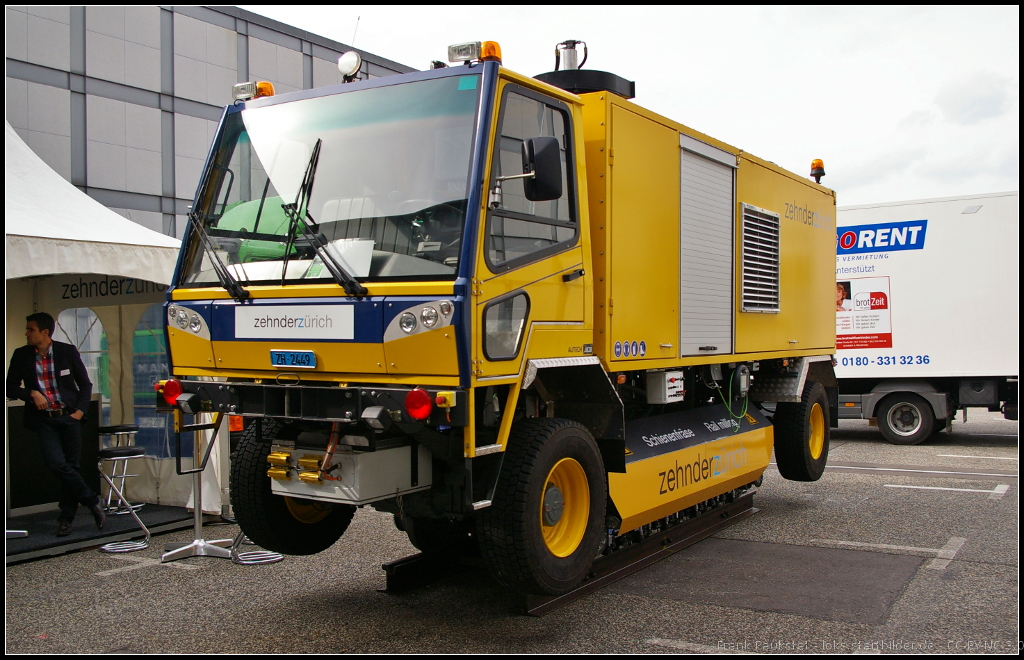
<point>690,647</point>
<point>994,458</point>
<point>994,494</point>
<point>947,553</point>
<point>943,555</point>
<point>880,546</point>
<point>998,492</point>
<point>997,435</point>
<point>894,469</point>
<point>142,562</point>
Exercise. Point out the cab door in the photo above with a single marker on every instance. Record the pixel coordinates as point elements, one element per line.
<point>530,289</point>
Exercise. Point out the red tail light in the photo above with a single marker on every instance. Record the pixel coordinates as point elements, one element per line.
<point>418,404</point>
<point>172,389</point>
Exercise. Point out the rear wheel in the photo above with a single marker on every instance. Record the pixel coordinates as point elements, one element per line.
<point>905,419</point>
<point>288,525</point>
<point>802,435</point>
<point>545,525</point>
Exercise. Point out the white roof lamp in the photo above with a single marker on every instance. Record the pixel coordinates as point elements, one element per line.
<point>349,64</point>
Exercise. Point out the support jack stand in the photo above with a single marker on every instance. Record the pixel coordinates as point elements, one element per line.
<point>199,547</point>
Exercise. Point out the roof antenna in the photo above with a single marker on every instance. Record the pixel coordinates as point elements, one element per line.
<point>355,31</point>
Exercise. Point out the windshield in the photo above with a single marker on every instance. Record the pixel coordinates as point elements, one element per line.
<point>387,197</point>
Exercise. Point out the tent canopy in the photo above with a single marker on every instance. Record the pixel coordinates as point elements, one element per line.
<point>53,228</point>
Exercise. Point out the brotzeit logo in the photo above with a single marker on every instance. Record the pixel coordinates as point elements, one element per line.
<point>884,237</point>
<point>865,301</point>
<point>294,322</point>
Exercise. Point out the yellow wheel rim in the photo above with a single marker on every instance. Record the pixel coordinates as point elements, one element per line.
<point>564,536</point>
<point>817,439</point>
<point>305,511</point>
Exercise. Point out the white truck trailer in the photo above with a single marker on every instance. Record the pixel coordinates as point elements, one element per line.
<point>927,302</point>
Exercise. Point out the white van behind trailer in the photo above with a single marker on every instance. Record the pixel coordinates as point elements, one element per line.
<point>927,301</point>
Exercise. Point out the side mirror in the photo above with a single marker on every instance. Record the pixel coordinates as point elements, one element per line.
<point>542,156</point>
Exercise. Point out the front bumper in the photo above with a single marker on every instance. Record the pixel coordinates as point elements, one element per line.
<point>321,403</point>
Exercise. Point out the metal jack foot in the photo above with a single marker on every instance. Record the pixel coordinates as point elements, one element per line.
<point>198,548</point>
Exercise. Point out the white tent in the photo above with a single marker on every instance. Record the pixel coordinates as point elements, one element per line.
<point>52,227</point>
<point>57,236</point>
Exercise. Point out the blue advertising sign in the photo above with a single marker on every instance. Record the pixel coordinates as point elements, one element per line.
<point>883,237</point>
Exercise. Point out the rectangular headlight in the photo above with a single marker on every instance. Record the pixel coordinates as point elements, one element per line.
<point>464,52</point>
<point>243,91</point>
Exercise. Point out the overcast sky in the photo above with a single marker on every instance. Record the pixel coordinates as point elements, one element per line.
<point>900,103</point>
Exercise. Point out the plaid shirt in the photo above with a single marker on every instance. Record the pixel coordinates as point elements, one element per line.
<point>47,379</point>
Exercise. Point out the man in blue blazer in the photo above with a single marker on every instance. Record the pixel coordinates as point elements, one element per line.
<point>51,379</point>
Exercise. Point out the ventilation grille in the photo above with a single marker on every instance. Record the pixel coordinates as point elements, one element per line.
<point>760,260</point>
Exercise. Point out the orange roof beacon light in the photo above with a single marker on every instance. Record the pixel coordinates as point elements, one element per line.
<point>817,169</point>
<point>479,51</point>
<point>490,51</point>
<point>252,90</point>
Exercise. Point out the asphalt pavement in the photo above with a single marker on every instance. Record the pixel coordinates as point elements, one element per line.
<point>894,549</point>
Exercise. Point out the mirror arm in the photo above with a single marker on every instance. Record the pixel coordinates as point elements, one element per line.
<point>494,199</point>
<point>528,175</point>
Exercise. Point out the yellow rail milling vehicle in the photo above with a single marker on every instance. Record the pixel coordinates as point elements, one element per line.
<point>521,314</point>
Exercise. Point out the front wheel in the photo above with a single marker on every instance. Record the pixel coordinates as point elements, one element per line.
<point>905,419</point>
<point>802,435</point>
<point>543,530</point>
<point>288,525</point>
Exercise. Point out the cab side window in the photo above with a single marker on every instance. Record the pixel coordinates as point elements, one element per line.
<point>519,230</point>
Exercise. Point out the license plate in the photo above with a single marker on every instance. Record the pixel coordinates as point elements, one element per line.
<point>293,359</point>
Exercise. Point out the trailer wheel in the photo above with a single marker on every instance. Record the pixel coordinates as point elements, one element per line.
<point>905,419</point>
<point>543,530</point>
<point>288,525</point>
<point>802,435</point>
<point>437,536</point>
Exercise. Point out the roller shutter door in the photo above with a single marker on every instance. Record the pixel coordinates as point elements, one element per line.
<point>706,252</point>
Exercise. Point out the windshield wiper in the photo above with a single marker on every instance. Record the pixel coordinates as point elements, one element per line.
<point>236,290</point>
<point>297,214</point>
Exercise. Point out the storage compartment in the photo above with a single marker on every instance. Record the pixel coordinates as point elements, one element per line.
<point>977,392</point>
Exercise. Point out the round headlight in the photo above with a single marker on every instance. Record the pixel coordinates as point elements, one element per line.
<point>182,319</point>
<point>172,313</point>
<point>446,307</point>
<point>429,317</point>
<point>195,324</point>
<point>407,322</point>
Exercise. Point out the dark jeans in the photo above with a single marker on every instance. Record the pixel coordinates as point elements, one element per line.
<point>60,439</point>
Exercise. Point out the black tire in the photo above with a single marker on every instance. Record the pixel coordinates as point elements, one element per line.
<point>512,530</point>
<point>440,537</point>
<point>802,435</point>
<point>288,525</point>
<point>905,419</point>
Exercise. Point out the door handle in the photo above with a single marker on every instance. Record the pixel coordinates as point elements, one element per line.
<point>569,277</point>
